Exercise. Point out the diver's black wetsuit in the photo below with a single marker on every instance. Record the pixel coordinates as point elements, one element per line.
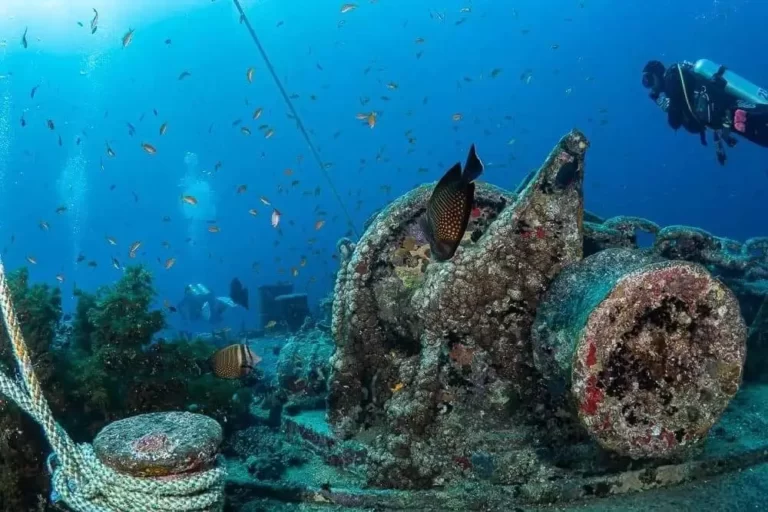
<point>704,115</point>
<point>708,105</point>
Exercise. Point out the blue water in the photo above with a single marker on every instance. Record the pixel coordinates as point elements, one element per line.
<point>91,86</point>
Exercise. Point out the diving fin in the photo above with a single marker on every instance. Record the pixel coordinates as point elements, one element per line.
<point>238,293</point>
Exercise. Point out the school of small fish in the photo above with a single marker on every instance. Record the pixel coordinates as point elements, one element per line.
<point>257,127</point>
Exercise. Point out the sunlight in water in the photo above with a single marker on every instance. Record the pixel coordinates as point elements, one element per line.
<point>72,187</point>
<point>5,131</point>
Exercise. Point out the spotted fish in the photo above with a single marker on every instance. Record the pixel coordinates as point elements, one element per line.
<point>449,207</point>
<point>234,361</point>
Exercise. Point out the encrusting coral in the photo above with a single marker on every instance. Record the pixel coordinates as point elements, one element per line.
<point>410,261</point>
<point>398,370</point>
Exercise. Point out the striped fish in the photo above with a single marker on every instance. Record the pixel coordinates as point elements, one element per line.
<point>234,361</point>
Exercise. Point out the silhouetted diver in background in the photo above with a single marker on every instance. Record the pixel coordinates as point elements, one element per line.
<point>705,95</point>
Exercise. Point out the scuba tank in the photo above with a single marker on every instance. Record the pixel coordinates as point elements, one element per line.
<point>736,85</point>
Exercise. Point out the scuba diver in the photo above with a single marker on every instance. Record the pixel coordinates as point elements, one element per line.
<point>200,303</point>
<point>705,95</point>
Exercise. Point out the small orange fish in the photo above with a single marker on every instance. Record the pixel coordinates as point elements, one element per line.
<point>275,218</point>
<point>249,75</point>
<point>149,148</point>
<point>288,172</point>
<point>169,263</point>
<point>319,224</point>
<point>192,200</point>
<point>372,119</point>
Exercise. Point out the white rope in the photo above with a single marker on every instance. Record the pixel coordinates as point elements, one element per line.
<point>79,479</point>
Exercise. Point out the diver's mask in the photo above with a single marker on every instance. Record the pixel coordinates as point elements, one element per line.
<point>648,80</point>
<point>653,82</point>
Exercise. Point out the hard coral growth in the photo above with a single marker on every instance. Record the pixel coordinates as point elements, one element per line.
<point>743,267</point>
<point>302,372</point>
<point>650,351</point>
<point>265,451</point>
<point>426,364</point>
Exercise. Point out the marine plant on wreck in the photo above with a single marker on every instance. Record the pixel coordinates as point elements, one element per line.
<point>22,446</point>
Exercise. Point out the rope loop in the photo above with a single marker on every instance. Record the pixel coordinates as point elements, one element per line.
<point>78,477</point>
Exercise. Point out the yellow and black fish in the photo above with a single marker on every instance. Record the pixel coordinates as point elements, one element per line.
<point>234,361</point>
<point>449,207</point>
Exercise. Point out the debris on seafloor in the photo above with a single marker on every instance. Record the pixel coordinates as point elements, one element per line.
<point>399,330</point>
<point>651,351</point>
<point>446,390</point>
<point>159,444</point>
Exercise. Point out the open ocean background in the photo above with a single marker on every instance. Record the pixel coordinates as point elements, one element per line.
<point>559,64</point>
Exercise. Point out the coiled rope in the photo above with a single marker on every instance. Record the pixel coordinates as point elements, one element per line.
<point>295,114</point>
<point>78,478</point>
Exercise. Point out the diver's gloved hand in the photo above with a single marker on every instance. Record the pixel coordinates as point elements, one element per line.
<point>663,102</point>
